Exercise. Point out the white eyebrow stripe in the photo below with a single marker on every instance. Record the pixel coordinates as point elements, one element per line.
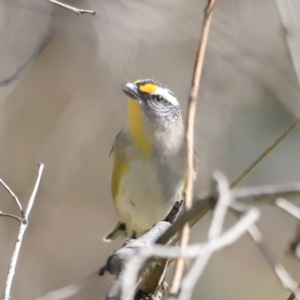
<point>166,95</point>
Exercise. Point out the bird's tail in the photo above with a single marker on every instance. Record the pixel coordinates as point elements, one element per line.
<point>118,232</point>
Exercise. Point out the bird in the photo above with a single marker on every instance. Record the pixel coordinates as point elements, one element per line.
<point>149,158</point>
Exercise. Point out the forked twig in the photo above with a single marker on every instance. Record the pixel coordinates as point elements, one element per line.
<point>23,226</point>
<point>76,10</point>
<point>14,197</point>
<point>192,103</point>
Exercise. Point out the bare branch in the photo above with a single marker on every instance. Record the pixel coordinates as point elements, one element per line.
<point>163,233</point>
<point>14,196</point>
<point>23,226</point>
<point>192,103</point>
<point>227,238</point>
<point>78,11</point>
<point>2,214</point>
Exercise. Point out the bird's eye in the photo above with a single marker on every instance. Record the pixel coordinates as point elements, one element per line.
<point>158,99</point>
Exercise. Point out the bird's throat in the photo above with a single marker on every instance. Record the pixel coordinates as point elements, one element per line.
<point>136,122</point>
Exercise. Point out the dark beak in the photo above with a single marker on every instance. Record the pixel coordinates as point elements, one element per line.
<point>131,90</point>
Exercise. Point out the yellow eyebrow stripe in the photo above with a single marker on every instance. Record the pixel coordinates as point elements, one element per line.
<point>148,88</point>
<point>138,80</point>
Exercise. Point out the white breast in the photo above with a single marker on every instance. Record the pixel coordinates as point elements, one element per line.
<point>143,200</point>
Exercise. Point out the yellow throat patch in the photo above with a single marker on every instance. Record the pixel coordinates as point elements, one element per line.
<point>136,126</point>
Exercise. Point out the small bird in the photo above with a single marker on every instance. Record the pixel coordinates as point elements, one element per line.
<point>149,159</point>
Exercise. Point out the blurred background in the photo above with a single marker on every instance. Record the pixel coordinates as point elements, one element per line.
<point>61,104</point>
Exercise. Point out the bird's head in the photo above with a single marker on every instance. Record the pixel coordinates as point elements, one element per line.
<point>154,114</point>
<point>156,102</point>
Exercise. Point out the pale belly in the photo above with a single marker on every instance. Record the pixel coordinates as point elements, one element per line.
<point>147,194</point>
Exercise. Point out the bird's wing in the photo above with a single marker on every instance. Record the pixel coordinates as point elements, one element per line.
<point>115,142</point>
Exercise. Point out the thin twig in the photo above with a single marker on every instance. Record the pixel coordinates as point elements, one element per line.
<point>265,153</point>
<point>2,214</point>
<point>192,103</point>
<point>14,196</point>
<point>78,11</point>
<point>23,226</point>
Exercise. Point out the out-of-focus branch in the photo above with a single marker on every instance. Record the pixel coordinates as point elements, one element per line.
<point>163,233</point>
<point>190,252</point>
<point>47,39</point>
<point>288,207</point>
<point>294,211</point>
<point>250,195</point>
<point>286,280</point>
<point>70,290</point>
<point>192,104</point>
<point>291,25</point>
<point>76,10</point>
<point>295,244</point>
<point>215,230</point>
<point>23,226</point>
<point>168,235</point>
